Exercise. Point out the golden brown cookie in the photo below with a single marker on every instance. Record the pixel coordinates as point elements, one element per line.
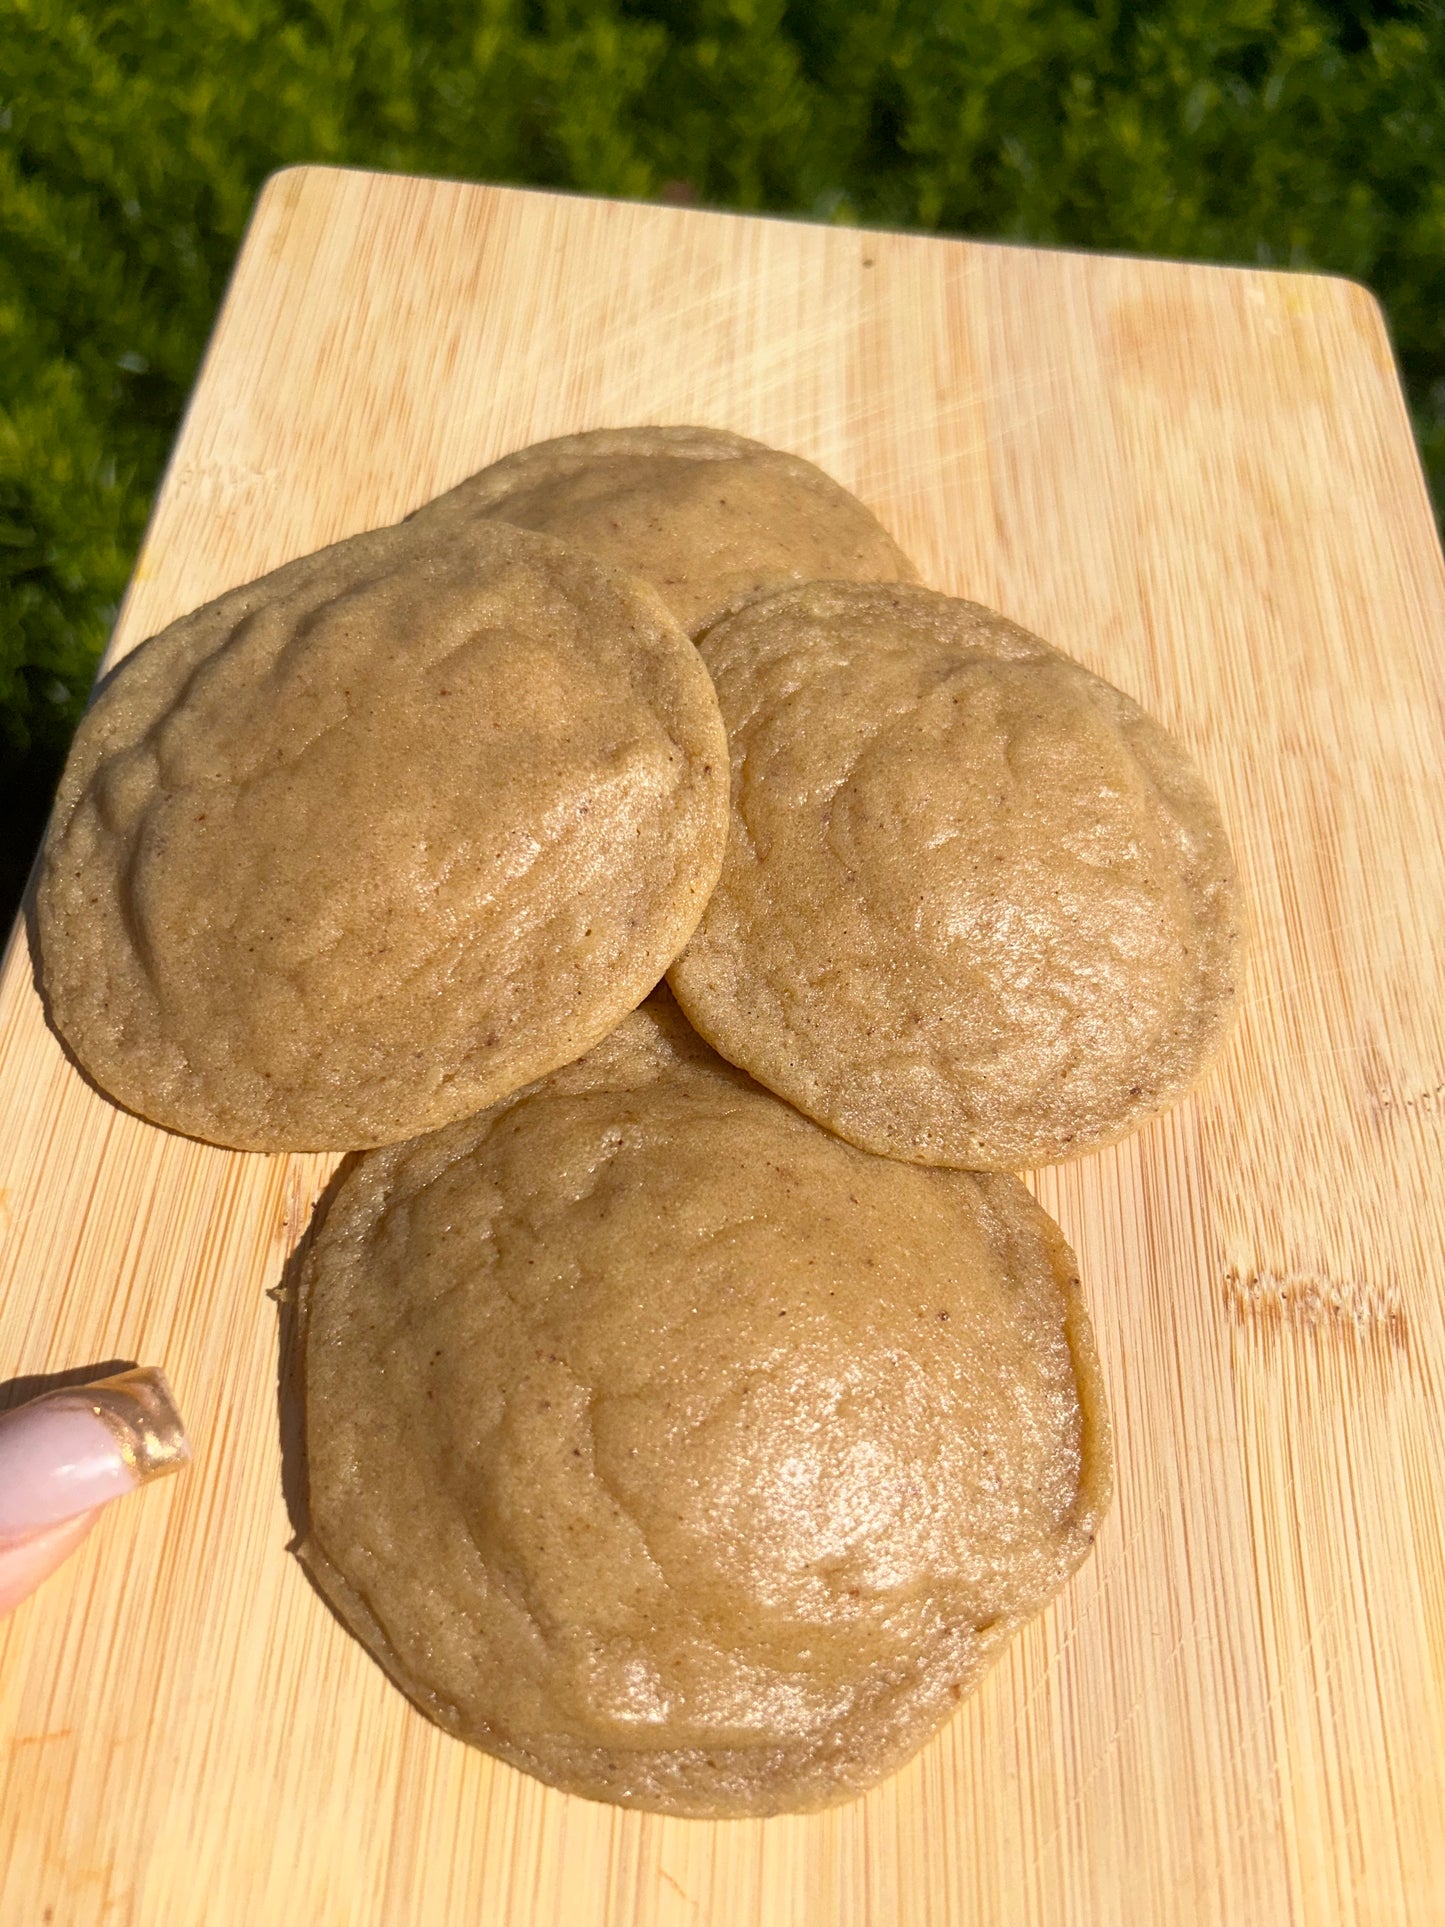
<point>680,1453</point>
<point>710,519</point>
<point>365,845</point>
<point>977,909</point>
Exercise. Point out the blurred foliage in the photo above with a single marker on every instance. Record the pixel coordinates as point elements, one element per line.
<point>1299,133</point>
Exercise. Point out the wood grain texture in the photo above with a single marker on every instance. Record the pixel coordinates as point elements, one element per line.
<point>1200,482</point>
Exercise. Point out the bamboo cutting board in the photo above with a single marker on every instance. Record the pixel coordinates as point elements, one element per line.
<point>1199,481</point>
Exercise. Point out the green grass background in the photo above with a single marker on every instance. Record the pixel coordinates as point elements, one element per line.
<point>133,139</point>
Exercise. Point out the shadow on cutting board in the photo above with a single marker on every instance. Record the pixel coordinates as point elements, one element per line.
<point>19,1391</point>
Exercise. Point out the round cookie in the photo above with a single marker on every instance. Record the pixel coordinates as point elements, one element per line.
<point>365,845</point>
<point>676,1451</point>
<point>710,519</point>
<point>977,909</point>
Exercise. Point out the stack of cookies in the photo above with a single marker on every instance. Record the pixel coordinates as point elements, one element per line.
<point>695,1401</point>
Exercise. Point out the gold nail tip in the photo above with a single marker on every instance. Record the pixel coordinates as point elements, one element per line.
<point>139,1411</point>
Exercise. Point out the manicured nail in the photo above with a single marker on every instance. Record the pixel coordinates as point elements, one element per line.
<point>69,1451</point>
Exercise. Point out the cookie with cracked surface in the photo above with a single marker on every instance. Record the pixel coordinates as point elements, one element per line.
<point>710,519</point>
<point>978,909</point>
<point>366,844</point>
<point>678,1452</point>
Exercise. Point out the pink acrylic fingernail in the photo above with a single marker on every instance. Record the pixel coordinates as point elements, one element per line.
<point>70,1451</point>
